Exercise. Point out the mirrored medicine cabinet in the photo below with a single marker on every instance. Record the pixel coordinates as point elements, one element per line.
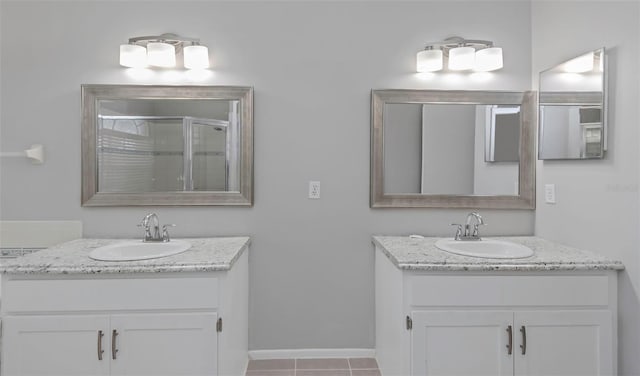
<point>573,122</point>
<point>167,145</point>
<point>454,149</point>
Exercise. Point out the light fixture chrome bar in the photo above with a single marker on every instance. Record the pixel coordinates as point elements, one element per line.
<point>170,38</point>
<point>454,42</point>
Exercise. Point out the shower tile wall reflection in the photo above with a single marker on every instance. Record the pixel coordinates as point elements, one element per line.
<point>150,146</point>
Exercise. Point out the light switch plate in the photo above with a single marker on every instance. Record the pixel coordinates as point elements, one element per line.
<point>314,189</point>
<point>550,193</point>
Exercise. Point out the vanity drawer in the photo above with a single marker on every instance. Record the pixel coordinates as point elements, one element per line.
<point>110,294</point>
<point>495,290</point>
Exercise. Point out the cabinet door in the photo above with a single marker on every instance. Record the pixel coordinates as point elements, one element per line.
<point>461,343</point>
<point>164,344</point>
<point>54,345</point>
<point>564,343</point>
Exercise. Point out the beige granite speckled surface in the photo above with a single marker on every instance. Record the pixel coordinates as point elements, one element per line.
<point>422,254</point>
<point>205,255</point>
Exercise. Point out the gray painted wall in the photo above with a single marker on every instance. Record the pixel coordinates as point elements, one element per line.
<point>313,65</point>
<point>597,201</point>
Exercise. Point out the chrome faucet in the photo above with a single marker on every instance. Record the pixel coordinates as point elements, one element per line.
<point>151,225</point>
<point>479,222</point>
<point>465,233</point>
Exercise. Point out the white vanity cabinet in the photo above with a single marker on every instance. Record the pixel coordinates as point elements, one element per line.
<point>134,344</point>
<point>166,323</point>
<point>468,342</point>
<point>439,319</point>
<point>165,344</point>
<point>46,345</point>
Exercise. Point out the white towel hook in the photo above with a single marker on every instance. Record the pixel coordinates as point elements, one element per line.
<point>35,154</point>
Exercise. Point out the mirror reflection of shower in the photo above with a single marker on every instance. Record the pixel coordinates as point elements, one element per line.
<point>158,153</point>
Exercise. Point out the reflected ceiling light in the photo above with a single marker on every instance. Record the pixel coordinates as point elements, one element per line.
<point>599,57</point>
<point>161,51</point>
<point>462,54</point>
<point>580,64</point>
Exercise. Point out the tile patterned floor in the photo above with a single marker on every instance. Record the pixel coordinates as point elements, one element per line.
<point>314,367</point>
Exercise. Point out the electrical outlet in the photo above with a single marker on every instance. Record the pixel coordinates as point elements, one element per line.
<point>314,189</point>
<point>550,193</point>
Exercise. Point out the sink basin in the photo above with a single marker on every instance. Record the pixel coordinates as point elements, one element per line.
<point>486,248</point>
<point>138,250</point>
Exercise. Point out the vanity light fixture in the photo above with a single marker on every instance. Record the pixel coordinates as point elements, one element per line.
<point>462,54</point>
<point>196,57</point>
<point>429,60</point>
<point>462,58</point>
<point>161,51</point>
<point>161,54</point>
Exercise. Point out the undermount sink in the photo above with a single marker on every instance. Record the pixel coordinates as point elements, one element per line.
<point>486,248</point>
<point>139,250</point>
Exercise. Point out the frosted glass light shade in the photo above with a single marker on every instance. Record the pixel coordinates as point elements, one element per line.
<point>488,59</point>
<point>196,57</point>
<point>161,55</point>
<point>462,58</point>
<point>429,61</point>
<point>133,56</point>
<point>580,64</point>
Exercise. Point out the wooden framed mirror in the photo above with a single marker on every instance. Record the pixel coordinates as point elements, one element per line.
<point>167,145</point>
<point>452,149</point>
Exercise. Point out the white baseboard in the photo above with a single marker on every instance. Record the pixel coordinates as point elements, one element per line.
<point>311,353</point>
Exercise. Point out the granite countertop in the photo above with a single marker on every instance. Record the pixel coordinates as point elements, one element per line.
<point>205,255</point>
<point>421,254</point>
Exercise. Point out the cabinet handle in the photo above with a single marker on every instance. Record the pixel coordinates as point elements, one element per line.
<point>524,340</point>
<point>114,350</point>
<point>100,350</point>
<point>510,344</point>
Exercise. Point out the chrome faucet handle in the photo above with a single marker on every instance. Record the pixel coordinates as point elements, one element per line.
<point>458,231</point>
<point>165,233</point>
<point>147,231</point>
<point>476,233</point>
